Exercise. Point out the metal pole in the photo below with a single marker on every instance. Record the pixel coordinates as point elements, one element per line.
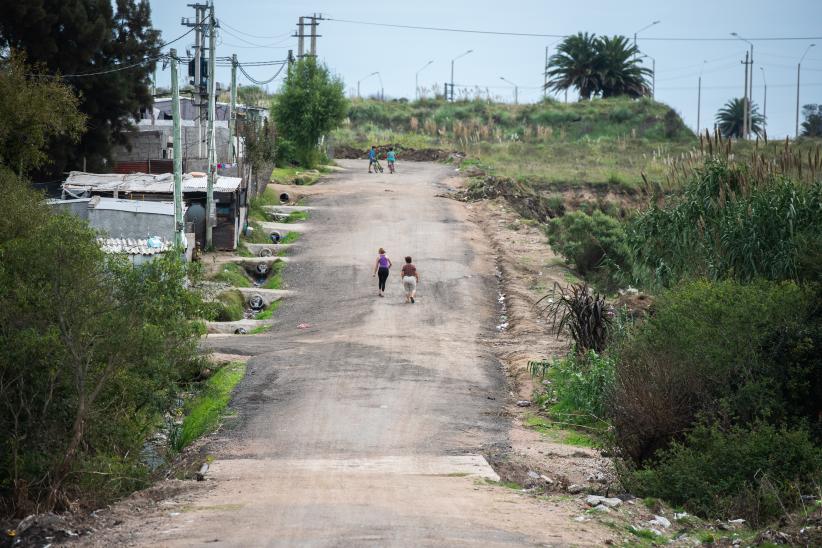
<point>698,105</point>
<point>212,153</point>
<point>798,69</point>
<point>764,100</point>
<point>198,76</point>
<point>745,102</point>
<point>452,81</point>
<point>750,94</point>
<point>358,89</point>
<point>653,77</point>
<point>516,95</point>
<point>232,111</point>
<point>179,227</point>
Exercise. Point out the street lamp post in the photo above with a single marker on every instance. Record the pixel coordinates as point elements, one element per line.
<point>699,98</point>
<point>417,78</point>
<point>798,69</point>
<point>516,89</point>
<point>382,92</point>
<point>646,27</point>
<point>363,79</point>
<point>452,70</point>
<point>764,100</point>
<point>748,115</point>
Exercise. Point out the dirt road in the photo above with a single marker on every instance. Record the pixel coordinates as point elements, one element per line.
<point>369,426</point>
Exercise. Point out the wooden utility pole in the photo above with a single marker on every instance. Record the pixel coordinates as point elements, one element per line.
<point>232,112</point>
<point>179,226</point>
<point>212,153</point>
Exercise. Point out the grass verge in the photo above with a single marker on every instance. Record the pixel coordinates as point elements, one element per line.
<point>275,279</point>
<point>204,412</point>
<point>268,313</point>
<point>232,274</point>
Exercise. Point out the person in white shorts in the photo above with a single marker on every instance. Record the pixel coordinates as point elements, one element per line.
<point>410,278</point>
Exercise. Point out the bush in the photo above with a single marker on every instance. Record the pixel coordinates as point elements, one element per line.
<point>581,385</point>
<point>726,351</point>
<point>594,245</point>
<point>231,306</point>
<point>755,472</point>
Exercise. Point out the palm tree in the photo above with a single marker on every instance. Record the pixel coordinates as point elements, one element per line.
<point>576,65</point>
<point>620,71</point>
<point>729,119</point>
<point>607,66</point>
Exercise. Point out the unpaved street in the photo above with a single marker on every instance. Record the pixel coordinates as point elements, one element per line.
<point>368,426</point>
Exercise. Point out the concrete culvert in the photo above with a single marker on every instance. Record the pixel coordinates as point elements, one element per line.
<point>262,268</point>
<point>265,252</point>
<point>240,331</point>
<point>284,198</point>
<point>275,237</point>
<point>256,302</point>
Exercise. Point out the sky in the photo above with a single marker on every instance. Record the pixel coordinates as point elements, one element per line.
<point>260,30</point>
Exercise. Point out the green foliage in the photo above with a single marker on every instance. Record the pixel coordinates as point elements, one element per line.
<point>729,223</point>
<point>206,410</point>
<point>812,123</point>
<point>721,351</point>
<point>595,245</point>
<point>268,313</point>
<point>90,352</point>
<point>730,119</point>
<point>581,384</point>
<point>607,66</point>
<point>34,110</point>
<point>75,37</point>
<point>231,306</point>
<point>275,278</point>
<point>755,472</point>
<point>311,104</point>
<point>583,314</point>
<point>233,275</point>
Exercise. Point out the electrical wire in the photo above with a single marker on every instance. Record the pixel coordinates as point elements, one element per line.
<point>222,22</point>
<point>254,44</point>
<point>119,68</point>
<point>259,82</point>
<point>543,35</point>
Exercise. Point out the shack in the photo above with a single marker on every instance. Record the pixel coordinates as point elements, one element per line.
<point>230,201</point>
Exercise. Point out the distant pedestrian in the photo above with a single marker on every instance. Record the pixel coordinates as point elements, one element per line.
<point>391,157</point>
<point>410,278</point>
<point>372,158</point>
<point>381,268</point>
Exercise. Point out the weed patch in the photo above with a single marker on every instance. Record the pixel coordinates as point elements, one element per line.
<point>233,275</point>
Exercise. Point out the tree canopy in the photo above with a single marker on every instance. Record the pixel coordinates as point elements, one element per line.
<point>598,65</point>
<point>312,103</point>
<point>76,38</point>
<point>812,125</point>
<point>730,118</point>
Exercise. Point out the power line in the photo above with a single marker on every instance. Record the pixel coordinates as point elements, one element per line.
<point>144,61</point>
<point>542,35</point>
<point>254,44</point>
<point>260,82</point>
<point>222,22</point>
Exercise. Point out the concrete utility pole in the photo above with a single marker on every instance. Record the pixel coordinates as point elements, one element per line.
<point>232,112</point>
<point>199,43</point>
<point>745,102</point>
<point>179,226</point>
<point>314,34</point>
<point>699,99</point>
<point>798,70</point>
<point>748,114</point>
<point>212,153</point>
<point>301,38</point>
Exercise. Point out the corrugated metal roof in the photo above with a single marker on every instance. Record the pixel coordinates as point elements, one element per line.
<point>134,206</point>
<point>143,182</point>
<point>131,246</point>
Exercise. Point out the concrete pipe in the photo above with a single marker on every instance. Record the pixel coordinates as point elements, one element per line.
<point>262,268</point>
<point>256,302</point>
<point>284,198</point>
<point>240,331</point>
<point>275,237</point>
<point>266,252</point>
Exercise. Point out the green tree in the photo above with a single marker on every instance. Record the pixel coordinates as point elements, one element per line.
<point>812,125</point>
<point>312,103</point>
<point>606,66</point>
<point>34,110</point>
<point>83,37</point>
<point>729,119</point>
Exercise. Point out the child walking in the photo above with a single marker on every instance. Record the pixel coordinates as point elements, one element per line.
<point>391,158</point>
<point>381,268</point>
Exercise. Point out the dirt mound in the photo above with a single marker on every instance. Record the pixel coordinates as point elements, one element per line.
<point>347,152</point>
<point>523,198</point>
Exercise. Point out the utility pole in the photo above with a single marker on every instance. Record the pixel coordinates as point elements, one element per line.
<point>199,45</point>
<point>212,153</point>
<point>179,227</point>
<point>314,24</point>
<point>232,112</point>
<point>745,102</point>
<point>765,100</point>
<point>798,70</point>
<point>301,38</point>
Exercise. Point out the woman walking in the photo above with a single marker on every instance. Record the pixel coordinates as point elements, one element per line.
<point>410,277</point>
<point>381,269</point>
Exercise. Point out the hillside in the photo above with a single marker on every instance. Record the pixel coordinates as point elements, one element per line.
<point>591,142</point>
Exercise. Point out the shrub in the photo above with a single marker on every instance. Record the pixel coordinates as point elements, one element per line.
<point>585,315</point>
<point>756,472</point>
<point>722,350</point>
<point>581,385</point>
<point>231,306</point>
<point>594,245</point>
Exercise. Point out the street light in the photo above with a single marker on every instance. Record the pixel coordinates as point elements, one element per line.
<point>653,73</point>
<point>417,78</point>
<point>382,93</point>
<point>452,70</point>
<point>747,118</point>
<point>798,68</point>
<point>516,89</point>
<point>362,80</point>
<point>765,100</point>
<point>646,27</point>
<point>699,98</point>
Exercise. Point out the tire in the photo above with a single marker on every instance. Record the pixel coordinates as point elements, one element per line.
<point>275,237</point>
<point>265,252</point>
<point>256,302</point>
